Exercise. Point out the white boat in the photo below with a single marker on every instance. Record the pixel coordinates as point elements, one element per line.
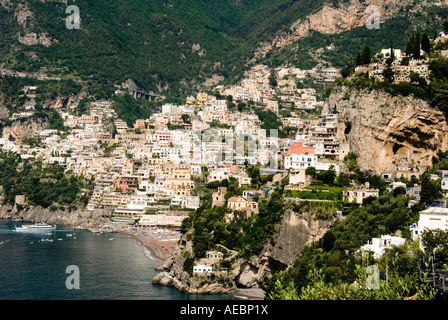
<point>35,227</point>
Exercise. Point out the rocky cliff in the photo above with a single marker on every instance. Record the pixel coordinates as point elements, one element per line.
<point>295,231</point>
<point>389,134</point>
<point>77,218</point>
<point>20,130</point>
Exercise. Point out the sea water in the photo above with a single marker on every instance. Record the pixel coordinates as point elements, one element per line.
<point>33,268</point>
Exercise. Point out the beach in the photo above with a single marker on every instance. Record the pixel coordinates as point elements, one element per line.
<point>158,242</point>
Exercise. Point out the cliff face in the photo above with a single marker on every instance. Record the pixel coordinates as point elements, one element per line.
<point>388,133</point>
<point>345,16</point>
<point>20,130</point>
<point>295,231</point>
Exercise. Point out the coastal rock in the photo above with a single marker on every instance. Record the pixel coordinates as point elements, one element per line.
<point>247,275</point>
<point>163,279</point>
<point>77,218</point>
<point>295,231</point>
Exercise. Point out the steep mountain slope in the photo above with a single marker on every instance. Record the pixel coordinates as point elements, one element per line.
<point>161,44</point>
<point>172,46</point>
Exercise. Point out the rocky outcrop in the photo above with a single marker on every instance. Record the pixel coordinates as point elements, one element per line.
<point>77,218</point>
<point>23,15</point>
<point>295,231</point>
<point>389,134</point>
<point>20,130</point>
<point>32,39</point>
<point>333,19</point>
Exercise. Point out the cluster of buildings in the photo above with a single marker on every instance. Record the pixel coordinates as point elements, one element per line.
<point>257,87</point>
<point>146,171</point>
<point>402,66</point>
<point>433,218</point>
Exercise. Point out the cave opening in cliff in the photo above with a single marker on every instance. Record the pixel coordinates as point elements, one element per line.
<point>396,147</point>
<point>348,127</point>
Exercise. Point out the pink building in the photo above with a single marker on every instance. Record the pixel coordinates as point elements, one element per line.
<point>140,123</point>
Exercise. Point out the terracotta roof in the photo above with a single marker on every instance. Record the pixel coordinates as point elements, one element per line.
<point>236,199</point>
<point>298,148</point>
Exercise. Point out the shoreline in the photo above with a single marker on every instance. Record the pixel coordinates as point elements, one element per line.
<point>158,245</point>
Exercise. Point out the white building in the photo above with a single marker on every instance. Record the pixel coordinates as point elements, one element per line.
<point>219,174</point>
<point>300,161</point>
<point>169,109</point>
<point>379,245</point>
<point>202,269</point>
<point>433,218</point>
<point>444,184</point>
<point>397,53</point>
<point>300,157</point>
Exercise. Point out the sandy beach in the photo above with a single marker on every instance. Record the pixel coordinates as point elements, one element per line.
<point>159,244</point>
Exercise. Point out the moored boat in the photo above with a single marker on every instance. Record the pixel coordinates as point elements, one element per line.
<point>35,227</point>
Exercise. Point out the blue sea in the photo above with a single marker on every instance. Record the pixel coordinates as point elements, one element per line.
<point>32,269</point>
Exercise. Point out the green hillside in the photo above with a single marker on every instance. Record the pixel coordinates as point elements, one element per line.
<point>170,46</point>
<point>149,41</point>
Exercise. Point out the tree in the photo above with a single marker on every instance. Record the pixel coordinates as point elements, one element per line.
<point>417,46</point>
<point>366,55</point>
<point>272,79</point>
<point>392,52</point>
<point>426,45</point>
<point>388,74</point>
<point>311,171</point>
<point>445,26</point>
<point>185,118</point>
<point>358,59</point>
<point>347,70</point>
<point>436,241</point>
<point>430,190</point>
<point>410,45</point>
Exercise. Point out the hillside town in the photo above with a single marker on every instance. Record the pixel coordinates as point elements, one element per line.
<point>148,173</point>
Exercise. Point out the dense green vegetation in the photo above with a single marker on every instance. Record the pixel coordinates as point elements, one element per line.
<point>333,268</point>
<point>247,234</point>
<point>11,89</point>
<point>41,186</point>
<point>128,109</point>
<point>328,268</point>
<point>151,42</point>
